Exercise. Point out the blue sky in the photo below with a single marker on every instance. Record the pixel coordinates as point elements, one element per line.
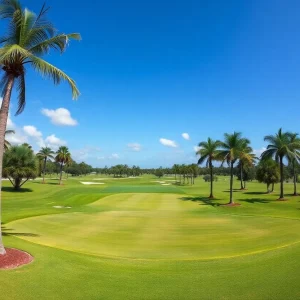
<point>149,70</point>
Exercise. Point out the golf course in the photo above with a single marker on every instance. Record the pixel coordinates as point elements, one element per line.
<point>144,238</point>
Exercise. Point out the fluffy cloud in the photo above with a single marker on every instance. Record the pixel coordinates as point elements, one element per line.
<point>135,147</point>
<point>186,136</point>
<point>258,152</point>
<point>54,142</point>
<point>114,156</point>
<point>32,132</point>
<point>196,148</point>
<point>168,143</point>
<point>60,116</point>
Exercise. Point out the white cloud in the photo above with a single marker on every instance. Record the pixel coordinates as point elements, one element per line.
<point>85,153</point>
<point>135,147</point>
<point>60,116</point>
<point>196,148</point>
<point>114,156</point>
<point>54,142</point>
<point>186,136</point>
<point>31,131</point>
<point>17,138</point>
<point>258,152</point>
<point>168,143</point>
<point>101,157</point>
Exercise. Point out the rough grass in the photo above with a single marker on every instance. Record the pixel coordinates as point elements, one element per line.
<point>151,242</point>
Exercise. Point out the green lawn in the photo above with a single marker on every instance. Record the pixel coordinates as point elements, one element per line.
<point>139,239</point>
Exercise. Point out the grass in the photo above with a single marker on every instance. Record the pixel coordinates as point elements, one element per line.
<point>137,239</point>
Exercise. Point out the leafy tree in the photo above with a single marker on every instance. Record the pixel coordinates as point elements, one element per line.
<point>159,172</point>
<point>63,157</point>
<point>28,38</point>
<point>232,148</point>
<point>208,153</point>
<point>281,146</point>
<point>19,163</point>
<point>268,173</point>
<point>207,178</point>
<point>44,154</point>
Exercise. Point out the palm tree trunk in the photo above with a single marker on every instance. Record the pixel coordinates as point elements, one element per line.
<point>295,179</point>
<point>281,179</point>
<point>60,178</point>
<point>242,186</point>
<point>211,181</point>
<point>3,121</point>
<point>272,188</point>
<point>44,171</point>
<point>231,184</point>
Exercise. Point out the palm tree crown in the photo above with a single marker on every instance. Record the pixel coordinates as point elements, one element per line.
<point>29,37</point>
<point>6,142</point>
<point>281,145</point>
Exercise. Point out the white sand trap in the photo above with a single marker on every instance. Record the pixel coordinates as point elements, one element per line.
<point>59,206</point>
<point>166,184</point>
<point>89,183</point>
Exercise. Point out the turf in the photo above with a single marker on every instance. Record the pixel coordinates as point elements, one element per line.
<point>137,239</point>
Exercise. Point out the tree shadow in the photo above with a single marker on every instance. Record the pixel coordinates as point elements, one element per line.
<point>204,200</point>
<point>10,232</point>
<point>11,189</point>
<point>257,193</point>
<point>233,190</point>
<point>46,183</point>
<point>255,200</point>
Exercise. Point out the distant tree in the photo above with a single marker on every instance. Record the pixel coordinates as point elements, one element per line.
<point>209,152</point>
<point>63,157</point>
<point>159,172</point>
<point>268,172</point>
<point>280,147</point>
<point>19,165</point>
<point>293,161</point>
<point>44,154</point>
<point>207,178</point>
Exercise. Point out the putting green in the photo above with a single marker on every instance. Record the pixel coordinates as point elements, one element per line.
<point>158,226</point>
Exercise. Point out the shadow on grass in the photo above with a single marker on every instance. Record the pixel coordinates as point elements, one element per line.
<point>257,193</point>
<point>46,183</point>
<point>10,232</point>
<point>11,189</point>
<point>255,200</point>
<point>204,200</point>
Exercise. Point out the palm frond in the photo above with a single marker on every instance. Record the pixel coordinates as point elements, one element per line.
<point>21,88</point>
<point>48,70</point>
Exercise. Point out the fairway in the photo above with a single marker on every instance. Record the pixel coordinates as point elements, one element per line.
<point>137,239</point>
<point>158,226</point>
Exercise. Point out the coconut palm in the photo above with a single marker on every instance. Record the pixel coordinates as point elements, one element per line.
<point>28,38</point>
<point>208,153</point>
<point>293,161</point>
<point>246,158</point>
<point>230,152</point>
<point>63,157</point>
<point>6,142</point>
<point>44,154</point>
<point>281,146</point>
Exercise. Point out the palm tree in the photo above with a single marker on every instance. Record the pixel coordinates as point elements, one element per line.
<point>63,157</point>
<point>28,38</point>
<point>231,152</point>
<point>292,159</point>
<point>281,145</point>
<point>7,143</point>
<point>208,153</point>
<point>44,154</point>
<point>246,158</point>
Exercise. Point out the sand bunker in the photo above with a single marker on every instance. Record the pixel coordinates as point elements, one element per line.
<point>88,183</point>
<point>59,206</point>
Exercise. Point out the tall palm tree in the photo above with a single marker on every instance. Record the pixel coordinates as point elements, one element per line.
<point>230,152</point>
<point>293,161</point>
<point>7,143</point>
<point>63,157</point>
<point>44,154</point>
<point>28,38</point>
<point>208,153</point>
<point>246,158</point>
<point>281,146</point>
